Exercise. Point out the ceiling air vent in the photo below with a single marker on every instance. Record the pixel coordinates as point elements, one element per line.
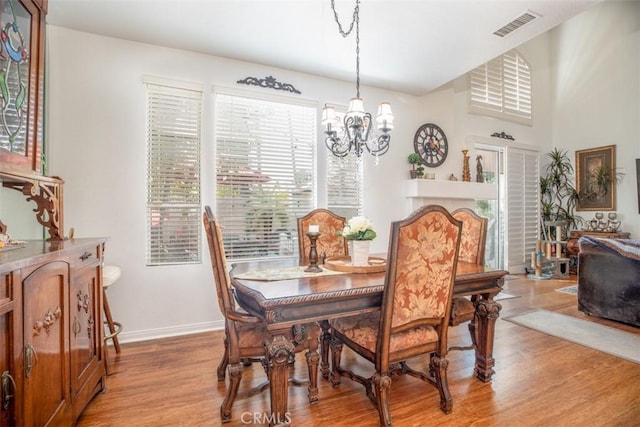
<point>521,20</point>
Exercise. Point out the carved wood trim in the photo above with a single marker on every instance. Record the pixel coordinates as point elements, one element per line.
<point>46,192</point>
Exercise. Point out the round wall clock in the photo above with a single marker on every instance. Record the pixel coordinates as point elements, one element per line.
<point>431,145</point>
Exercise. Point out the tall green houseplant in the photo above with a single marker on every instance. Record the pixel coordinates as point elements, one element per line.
<point>558,194</point>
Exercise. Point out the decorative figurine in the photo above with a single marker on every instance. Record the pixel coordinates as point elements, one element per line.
<point>466,172</point>
<point>479,173</point>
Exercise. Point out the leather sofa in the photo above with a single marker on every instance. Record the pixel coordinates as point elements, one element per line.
<point>609,279</point>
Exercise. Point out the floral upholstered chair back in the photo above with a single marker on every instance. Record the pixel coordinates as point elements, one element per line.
<point>224,291</point>
<point>423,252</point>
<point>474,236</point>
<point>329,243</point>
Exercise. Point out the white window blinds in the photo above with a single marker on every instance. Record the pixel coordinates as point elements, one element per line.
<point>344,185</point>
<point>265,162</point>
<point>502,88</point>
<point>173,175</point>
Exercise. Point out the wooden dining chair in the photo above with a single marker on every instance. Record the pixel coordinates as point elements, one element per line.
<point>245,335</point>
<point>472,247</point>
<point>329,244</point>
<point>415,312</point>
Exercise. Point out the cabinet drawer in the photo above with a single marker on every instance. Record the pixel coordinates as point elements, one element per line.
<point>85,257</point>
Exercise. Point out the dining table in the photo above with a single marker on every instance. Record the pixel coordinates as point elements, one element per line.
<point>283,295</point>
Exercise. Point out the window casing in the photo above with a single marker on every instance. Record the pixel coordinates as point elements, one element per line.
<point>173,212</point>
<point>501,88</point>
<point>265,172</point>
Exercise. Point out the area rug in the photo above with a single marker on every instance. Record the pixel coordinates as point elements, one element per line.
<point>504,295</point>
<point>598,337</point>
<point>573,290</point>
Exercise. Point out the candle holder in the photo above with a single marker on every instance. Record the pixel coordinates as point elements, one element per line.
<point>466,172</point>
<point>313,253</point>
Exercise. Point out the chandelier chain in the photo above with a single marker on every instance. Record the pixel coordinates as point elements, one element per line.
<point>355,21</point>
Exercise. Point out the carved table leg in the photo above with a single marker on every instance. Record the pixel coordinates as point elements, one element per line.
<point>487,311</point>
<point>280,353</point>
<point>324,348</point>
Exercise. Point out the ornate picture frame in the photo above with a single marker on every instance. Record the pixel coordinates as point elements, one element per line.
<point>596,179</point>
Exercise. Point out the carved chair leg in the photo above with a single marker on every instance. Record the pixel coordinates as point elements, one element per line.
<point>235,375</point>
<point>382,385</point>
<point>439,367</point>
<point>222,367</point>
<point>325,339</point>
<point>336,353</point>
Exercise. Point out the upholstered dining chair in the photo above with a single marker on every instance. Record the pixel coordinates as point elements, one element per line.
<point>472,247</point>
<point>245,335</point>
<point>329,244</point>
<point>414,316</point>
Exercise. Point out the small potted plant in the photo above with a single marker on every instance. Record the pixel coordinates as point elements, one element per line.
<point>414,159</point>
<point>420,172</point>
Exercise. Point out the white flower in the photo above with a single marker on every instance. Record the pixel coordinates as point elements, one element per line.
<point>358,228</point>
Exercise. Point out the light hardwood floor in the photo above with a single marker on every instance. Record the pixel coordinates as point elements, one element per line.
<point>540,381</point>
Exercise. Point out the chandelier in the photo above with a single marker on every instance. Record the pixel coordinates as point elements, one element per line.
<point>353,131</point>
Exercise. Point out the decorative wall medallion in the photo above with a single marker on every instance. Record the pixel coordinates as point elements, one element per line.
<point>502,135</point>
<point>269,82</point>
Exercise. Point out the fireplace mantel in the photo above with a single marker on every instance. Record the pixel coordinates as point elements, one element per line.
<point>450,194</point>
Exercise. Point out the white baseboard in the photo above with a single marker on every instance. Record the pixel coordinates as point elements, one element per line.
<point>172,331</point>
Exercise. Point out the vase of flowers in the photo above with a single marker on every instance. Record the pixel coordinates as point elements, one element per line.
<point>359,232</point>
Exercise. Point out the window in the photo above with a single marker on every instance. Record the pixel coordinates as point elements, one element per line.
<point>173,174</point>
<point>344,185</point>
<point>265,163</point>
<point>502,88</point>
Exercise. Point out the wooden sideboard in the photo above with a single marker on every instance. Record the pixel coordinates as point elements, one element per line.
<point>574,248</point>
<point>51,357</point>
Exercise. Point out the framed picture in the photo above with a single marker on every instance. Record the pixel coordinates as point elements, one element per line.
<point>596,179</point>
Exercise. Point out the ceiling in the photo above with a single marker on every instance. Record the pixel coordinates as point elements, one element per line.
<point>408,46</point>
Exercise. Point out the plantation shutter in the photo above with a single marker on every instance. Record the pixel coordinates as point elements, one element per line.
<point>502,88</point>
<point>517,85</point>
<point>265,162</point>
<point>523,207</point>
<point>173,174</point>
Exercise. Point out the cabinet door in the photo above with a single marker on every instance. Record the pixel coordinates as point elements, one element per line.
<point>84,319</point>
<point>8,387</point>
<point>45,365</point>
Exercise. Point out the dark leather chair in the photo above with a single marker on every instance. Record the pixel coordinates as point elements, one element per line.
<point>609,279</point>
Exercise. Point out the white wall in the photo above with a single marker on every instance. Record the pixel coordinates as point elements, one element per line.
<point>596,88</point>
<point>96,131</point>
